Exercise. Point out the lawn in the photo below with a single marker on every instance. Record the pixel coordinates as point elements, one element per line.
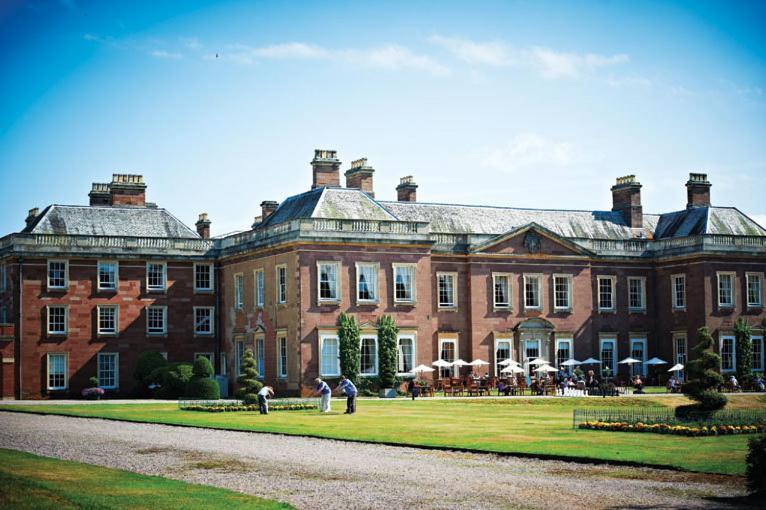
<point>29,481</point>
<point>540,427</point>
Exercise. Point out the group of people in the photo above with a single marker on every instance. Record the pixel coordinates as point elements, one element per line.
<point>346,387</point>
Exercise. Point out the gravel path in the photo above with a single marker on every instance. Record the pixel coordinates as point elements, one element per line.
<point>319,473</point>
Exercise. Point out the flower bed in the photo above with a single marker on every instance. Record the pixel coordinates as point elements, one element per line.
<point>217,406</point>
<point>681,430</point>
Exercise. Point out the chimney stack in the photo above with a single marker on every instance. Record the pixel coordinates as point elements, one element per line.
<point>626,199</point>
<point>267,209</point>
<point>203,226</point>
<point>128,189</point>
<point>32,216</point>
<point>360,176</point>
<point>326,169</point>
<point>406,190</point>
<point>100,194</point>
<point>697,191</point>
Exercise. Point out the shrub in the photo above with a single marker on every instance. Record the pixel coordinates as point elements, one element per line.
<point>93,382</point>
<point>756,465</point>
<point>744,342</point>
<point>147,367</point>
<point>202,367</point>
<point>387,333</point>
<point>704,379</point>
<point>248,382</point>
<point>203,388</point>
<point>348,338</point>
<point>172,380</point>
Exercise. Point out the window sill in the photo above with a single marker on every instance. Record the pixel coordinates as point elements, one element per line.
<point>501,308</point>
<point>156,291</point>
<point>679,308</point>
<point>637,310</point>
<point>404,303</point>
<point>368,375</point>
<point>447,308</point>
<point>106,335</point>
<point>157,335</point>
<point>754,307</point>
<point>57,335</point>
<point>329,302</point>
<point>203,291</point>
<point>107,290</point>
<point>607,310</point>
<point>203,335</point>
<point>367,302</point>
<point>562,310</point>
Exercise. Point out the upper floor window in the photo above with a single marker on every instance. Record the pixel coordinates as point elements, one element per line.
<point>329,282</point>
<point>203,320</point>
<point>57,319</point>
<point>281,284</point>
<point>754,290</point>
<point>58,274</point>
<point>678,289</point>
<point>156,273</point>
<point>239,291</point>
<point>532,286</point>
<point>258,287</point>
<point>203,277</point>
<point>726,289</point>
<point>562,292</point>
<point>501,284</point>
<point>367,282</point>
<point>447,290</point>
<point>107,319</point>
<point>606,293</point>
<point>404,283</point>
<point>107,275</point>
<point>57,371</point>
<point>156,320</point>
<point>3,277</point>
<point>637,293</point>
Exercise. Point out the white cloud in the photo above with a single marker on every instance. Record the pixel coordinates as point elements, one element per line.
<point>530,150</point>
<point>293,50</point>
<point>165,54</point>
<point>547,62</point>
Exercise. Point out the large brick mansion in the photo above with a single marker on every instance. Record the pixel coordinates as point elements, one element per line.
<point>85,289</point>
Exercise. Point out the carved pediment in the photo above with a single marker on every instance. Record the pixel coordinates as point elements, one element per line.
<point>532,240</point>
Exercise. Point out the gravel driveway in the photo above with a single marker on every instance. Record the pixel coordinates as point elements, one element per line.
<point>319,473</point>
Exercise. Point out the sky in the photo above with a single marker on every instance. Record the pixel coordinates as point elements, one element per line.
<point>220,105</point>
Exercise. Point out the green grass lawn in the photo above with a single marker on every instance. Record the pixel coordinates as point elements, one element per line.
<point>515,425</point>
<point>29,481</point>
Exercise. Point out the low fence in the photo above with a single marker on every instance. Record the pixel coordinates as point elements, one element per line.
<point>660,415</point>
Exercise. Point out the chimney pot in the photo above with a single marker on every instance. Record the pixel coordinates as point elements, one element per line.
<point>406,191</point>
<point>127,189</point>
<point>626,199</point>
<point>325,169</point>
<point>359,176</point>
<point>203,226</point>
<point>267,209</point>
<point>697,191</point>
<point>32,216</point>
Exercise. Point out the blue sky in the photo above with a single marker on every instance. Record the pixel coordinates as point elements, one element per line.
<point>530,104</point>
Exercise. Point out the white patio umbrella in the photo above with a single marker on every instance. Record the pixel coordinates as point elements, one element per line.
<point>442,363</point>
<point>538,361</point>
<point>629,361</point>
<point>478,363</point>
<point>507,362</point>
<point>656,361</point>
<point>512,369</point>
<point>676,368</point>
<point>423,368</point>
<point>460,363</point>
<point>546,368</point>
<point>591,361</point>
<point>570,363</point>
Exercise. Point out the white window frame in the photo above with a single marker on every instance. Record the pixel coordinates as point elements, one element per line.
<point>453,277</point>
<point>748,277</point>
<point>116,309</point>
<point>239,354</point>
<point>501,340</point>
<point>164,310</point>
<point>281,293</point>
<point>322,338</point>
<point>48,371</point>
<point>759,338</point>
<point>564,340</point>
<point>65,332</point>
<point>116,370</point>
<point>399,338</point>
<point>732,290</point>
<point>212,321</point>
<point>374,337</point>
<point>509,291</point>
<point>452,340</point>
<point>373,287</point>
<point>569,280</point>
<point>328,300</point>
<point>414,267</point>
<point>640,366</point>
<point>673,296</point>
<point>259,353</point>
<point>615,354</point>
<point>613,284</point>
<point>48,274</point>
<point>239,291</point>
<point>678,336</point>
<point>733,353</point>
<point>282,363</point>
<point>116,275</point>
<point>155,288</point>
<point>259,288</point>
<point>642,287</point>
<point>211,275</point>
<point>540,295</point>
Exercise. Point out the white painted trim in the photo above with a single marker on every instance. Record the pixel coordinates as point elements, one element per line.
<point>362,337</point>
<point>282,365</point>
<point>604,340</point>
<point>48,320</point>
<point>116,331</point>
<point>239,291</point>
<point>259,303</point>
<point>212,277</point>
<point>759,303</point>
<point>48,275</point>
<point>563,340</point>
<point>641,340</point>
<point>164,276</point>
<point>642,286</point>
<point>733,353</point>
<point>414,268</point>
<point>570,293</point>
<point>375,289</point>
<point>453,276</point>
<point>260,338</point>
<point>540,293</point>
<point>280,300</point>
<point>48,371</point>
<point>673,301</point>
<point>613,280</point>
<point>413,337</point>
<point>733,291</point>
<point>116,370</point>
<point>164,320</point>
<point>322,338</point>
<point>497,340</point>
<point>116,275</point>
<point>676,337</point>
<point>334,300</point>
<point>449,338</point>
<point>509,305</point>
<point>212,321</point>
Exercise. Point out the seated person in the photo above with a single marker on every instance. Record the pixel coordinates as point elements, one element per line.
<point>591,381</point>
<point>759,383</point>
<point>638,384</point>
<point>504,388</point>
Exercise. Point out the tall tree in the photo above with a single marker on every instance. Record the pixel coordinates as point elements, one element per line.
<point>349,338</point>
<point>743,336</point>
<point>703,378</point>
<point>249,385</point>
<point>387,336</point>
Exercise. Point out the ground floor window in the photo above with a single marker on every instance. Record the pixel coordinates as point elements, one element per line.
<point>108,370</point>
<point>368,359</point>
<point>329,362</point>
<point>57,371</point>
<point>609,356</point>
<point>239,354</point>
<point>502,353</point>
<point>447,352</point>
<point>531,350</point>
<point>563,353</point>
<point>405,354</point>
<point>680,353</point>
<point>758,353</point>
<point>728,356</point>
<point>638,351</point>
<point>260,356</point>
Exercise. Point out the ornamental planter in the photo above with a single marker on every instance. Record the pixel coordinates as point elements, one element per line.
<point>388,393</point>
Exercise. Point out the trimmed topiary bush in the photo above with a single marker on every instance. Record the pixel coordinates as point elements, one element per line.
<point>743,334</point>
<point>172,380</point>
<point>349,353</point>
<point>248,382</point>
<point>756,465</point>
<point>201,385</point>
<point>387,334</point>
<point>704,379</point>
<point>148,366</point>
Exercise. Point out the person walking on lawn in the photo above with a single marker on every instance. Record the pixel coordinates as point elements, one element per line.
<point>263,395</point>
<point>348,388</point>
<point>323,390</point>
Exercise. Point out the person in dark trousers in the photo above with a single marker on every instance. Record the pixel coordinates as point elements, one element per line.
<point>412,387</point>
<point>263,394</point>
<point>348,389</point>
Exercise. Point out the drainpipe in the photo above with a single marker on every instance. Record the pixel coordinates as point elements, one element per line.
<point>216,271</point>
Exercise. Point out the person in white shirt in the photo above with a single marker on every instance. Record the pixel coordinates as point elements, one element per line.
<point>263,395</point>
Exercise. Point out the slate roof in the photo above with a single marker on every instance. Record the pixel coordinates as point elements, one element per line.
<point>110,221</point>
<point>706,220</point>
